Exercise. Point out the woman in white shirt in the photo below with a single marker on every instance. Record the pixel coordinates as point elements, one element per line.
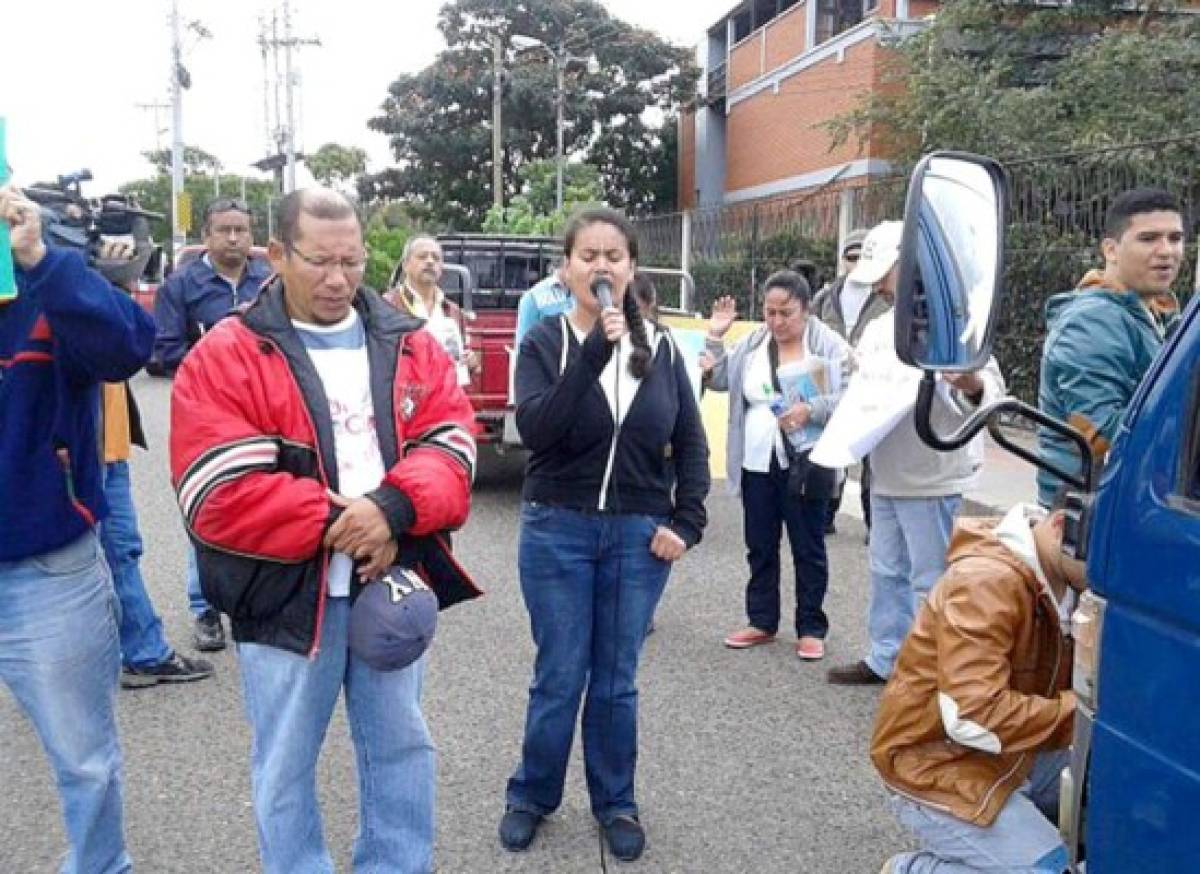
<point>758,462</point>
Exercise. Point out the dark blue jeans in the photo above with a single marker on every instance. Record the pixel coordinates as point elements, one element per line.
<point>143,644</point>
<point>766,508</point>
<point>590,585</point>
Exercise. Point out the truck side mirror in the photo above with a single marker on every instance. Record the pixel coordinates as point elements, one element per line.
<point>948,293</point>
<point>951,258</point>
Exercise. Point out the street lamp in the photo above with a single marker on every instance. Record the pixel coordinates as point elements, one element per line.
<point>561,58</point>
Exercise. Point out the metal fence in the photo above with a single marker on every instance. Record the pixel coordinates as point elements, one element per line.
<point>1057,205</point>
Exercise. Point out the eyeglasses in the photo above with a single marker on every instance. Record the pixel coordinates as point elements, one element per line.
<point>349,266</point>
<point>226,204</point>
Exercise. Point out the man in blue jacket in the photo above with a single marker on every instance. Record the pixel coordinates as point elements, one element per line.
<point>1101,338</point>
<point>202,292</point>
<point>67,331</point>
<point>193,299</point>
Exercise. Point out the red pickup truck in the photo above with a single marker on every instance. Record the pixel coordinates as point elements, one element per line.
<point>486,274</point>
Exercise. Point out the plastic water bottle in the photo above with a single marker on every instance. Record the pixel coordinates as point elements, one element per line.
<point>779,406</point>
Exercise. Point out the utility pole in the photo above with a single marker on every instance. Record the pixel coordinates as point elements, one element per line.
<point>497,131</point>
<point>290,145</point>
<point>560,57</point>
<point>283,162</point>
<point>159,130</point>
<point>266,66</point>
<point>560,64</point>
<point>177,73</point>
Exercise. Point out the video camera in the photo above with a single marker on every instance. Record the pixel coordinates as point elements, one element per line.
<point>72,221</point>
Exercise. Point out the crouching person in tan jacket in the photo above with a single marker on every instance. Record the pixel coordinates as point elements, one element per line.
<point>973,729</point>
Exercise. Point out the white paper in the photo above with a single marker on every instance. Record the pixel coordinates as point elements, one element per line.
<point>881,392</point>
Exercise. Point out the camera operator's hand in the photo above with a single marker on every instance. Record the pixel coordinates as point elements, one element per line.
<point>25,227</point>
<point>117,248</point>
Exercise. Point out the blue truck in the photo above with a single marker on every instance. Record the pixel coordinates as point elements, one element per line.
<point>1132,791</point>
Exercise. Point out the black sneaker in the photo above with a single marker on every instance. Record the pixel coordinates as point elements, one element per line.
<point>857,674</point>
<point>626,838</point>
<point>209,635</point>
<point>517,828</point>
<point>176,669</point>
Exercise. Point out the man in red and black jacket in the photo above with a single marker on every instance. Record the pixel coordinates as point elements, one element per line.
<point>317,440</point>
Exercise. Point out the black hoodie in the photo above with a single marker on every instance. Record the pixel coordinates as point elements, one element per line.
<point>660,462</point>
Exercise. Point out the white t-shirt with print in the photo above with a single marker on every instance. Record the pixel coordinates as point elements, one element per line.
<point>339,354</point>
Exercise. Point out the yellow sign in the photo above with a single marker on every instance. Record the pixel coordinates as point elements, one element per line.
<point>714,406</point>
<point>183,209</point>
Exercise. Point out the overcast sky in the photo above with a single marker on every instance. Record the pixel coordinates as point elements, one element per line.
<point>72,72</point>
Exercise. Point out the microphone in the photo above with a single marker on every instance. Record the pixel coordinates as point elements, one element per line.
<point>602,289</point>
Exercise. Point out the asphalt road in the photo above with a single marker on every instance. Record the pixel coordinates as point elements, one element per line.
<point>748,760</point>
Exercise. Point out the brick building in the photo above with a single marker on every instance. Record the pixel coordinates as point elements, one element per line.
<point>773,72</point>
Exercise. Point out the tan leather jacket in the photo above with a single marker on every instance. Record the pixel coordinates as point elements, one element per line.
<point>981,684</point>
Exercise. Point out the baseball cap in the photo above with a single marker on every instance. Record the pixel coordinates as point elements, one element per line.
<point>854,240</point>
<point>393,620</point>
<point>880,251</point>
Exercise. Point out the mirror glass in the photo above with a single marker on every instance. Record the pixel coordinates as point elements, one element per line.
<point>950,263</point>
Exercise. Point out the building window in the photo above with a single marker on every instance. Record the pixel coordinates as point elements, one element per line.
<point>838,16</point>
<point>743,24</point>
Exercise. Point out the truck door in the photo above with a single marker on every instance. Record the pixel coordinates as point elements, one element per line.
<point>1145,748</point>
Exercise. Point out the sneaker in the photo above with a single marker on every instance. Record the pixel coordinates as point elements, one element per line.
<point>209,634</point>
<point>626,838</point>
<point>857,674</point>
<point>517,828</point>
<point>811,649</point>
<point>748,637</point>
<point>176,669</point>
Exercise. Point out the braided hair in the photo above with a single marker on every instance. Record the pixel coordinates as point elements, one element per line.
<point>639,360</point>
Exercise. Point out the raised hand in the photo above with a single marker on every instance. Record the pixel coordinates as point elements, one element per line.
<point>25,227</point>
<point>724,314</point>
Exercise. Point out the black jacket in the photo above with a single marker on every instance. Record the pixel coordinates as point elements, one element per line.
<point>660,466</point>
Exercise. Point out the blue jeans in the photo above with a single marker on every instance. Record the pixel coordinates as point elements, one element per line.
<point>909,537</point>
<point>196,602</point>
<point>289,701</point>
<point>1021,840</point>
<point>142,642</point>
<point>59,655</point>
<point>590,584</point>
<point>766,508</point>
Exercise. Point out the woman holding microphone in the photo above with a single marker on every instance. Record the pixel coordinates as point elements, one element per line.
<point>614,494</point>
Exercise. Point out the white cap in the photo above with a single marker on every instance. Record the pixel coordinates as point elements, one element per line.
<point>880,251</point>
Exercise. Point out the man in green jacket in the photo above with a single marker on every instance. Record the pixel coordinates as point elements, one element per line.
<point>1101,338</point>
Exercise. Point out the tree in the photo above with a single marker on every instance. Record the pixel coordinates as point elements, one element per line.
<point>387,229</point>
<point>195,160</point>
<point>1016,80</point>
<point>154,192</point>
<point>1078,83</point>
<point>334,165</point>
<point>622,86</point>
<point>532,212</point>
